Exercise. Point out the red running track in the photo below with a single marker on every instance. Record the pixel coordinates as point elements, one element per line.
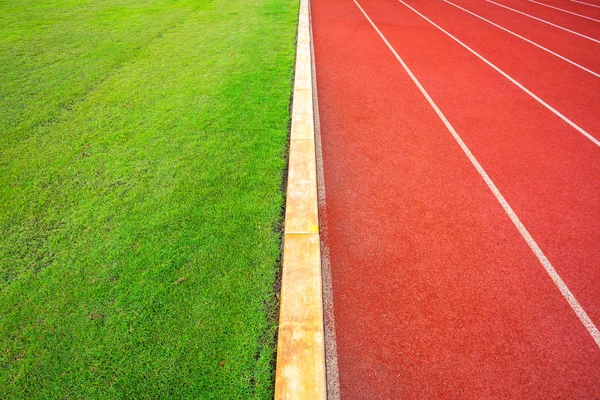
<point>577,7</point>
<point>575,23</point>
<point>573,47</point>
<point>435,292</point>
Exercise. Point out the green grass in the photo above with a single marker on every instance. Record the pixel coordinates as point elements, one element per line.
<point>142,150</point>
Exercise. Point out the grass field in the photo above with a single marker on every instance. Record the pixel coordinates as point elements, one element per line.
<point>142,152</point>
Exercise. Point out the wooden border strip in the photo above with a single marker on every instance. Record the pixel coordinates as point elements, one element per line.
<point>300,372</point>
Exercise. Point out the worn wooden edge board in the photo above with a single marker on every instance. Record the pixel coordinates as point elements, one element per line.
<point>300,370</point>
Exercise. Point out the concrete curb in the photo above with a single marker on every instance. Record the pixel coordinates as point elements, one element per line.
<point>300,371</point>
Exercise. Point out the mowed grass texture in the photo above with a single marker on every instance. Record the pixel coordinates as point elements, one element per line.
<point>142,152</point>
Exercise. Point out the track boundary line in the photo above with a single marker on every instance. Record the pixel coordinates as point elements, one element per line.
<point>587,4</point>
<point>565,11</point>
<point>331,357</point>
<point>514,81</point>
<point>300,369</point>
<point>544,21</point>
<point>525,39</point>
<point>562,287</point>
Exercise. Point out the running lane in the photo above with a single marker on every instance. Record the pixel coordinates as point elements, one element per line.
<point>576,48</point>
<point>575,23</point>
<point>571,90</point>
<point>546,169</point>
<point>435,292</point>
<point>571,6</point>
<point>588,3</point>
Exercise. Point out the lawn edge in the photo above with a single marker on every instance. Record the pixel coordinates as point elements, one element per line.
<point>300,368</point>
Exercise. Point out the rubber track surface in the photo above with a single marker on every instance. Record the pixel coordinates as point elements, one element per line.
<point>435,292</point>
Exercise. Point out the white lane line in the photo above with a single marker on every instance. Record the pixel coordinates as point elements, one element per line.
<point>527,40</point>
<point>579,311</point>
<point>587,4</point>
<point>544,21</point>
<point>565,11</point>
<point>523,88</point>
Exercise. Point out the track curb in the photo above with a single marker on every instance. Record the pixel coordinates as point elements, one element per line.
<point>300,371</point>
